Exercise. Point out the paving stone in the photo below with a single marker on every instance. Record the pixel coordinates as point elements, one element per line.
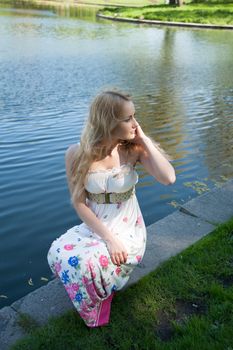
<point>10,331</point>
<point>215,206</point>
<point>45,302</point>
<point>168,237</point>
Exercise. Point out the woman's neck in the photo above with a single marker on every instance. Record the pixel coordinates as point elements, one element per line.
<point>111,149</point>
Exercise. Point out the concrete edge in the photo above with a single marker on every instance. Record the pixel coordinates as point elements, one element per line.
<point>138,21</point>
<point>56,305</point>
<point>166,23</point>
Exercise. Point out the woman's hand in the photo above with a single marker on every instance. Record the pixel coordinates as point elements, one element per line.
<point>117,251</point>
<point>139,135</point>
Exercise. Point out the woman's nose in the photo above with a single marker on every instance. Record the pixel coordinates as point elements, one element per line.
<point>135,123</point>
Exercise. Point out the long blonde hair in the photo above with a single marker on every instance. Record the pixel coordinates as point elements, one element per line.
<point>104,115</point>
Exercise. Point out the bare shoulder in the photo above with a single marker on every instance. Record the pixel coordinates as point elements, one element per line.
<point>70,152</point>
<point>70,156</point>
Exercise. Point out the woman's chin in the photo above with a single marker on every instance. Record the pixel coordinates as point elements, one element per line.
<point>129,138</point>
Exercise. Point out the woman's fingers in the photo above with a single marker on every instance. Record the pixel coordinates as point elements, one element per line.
<point>122,258</point>
<point>119,258</point>
<point>113,260</point>
<point>117,251</point>
<point>125,255</point>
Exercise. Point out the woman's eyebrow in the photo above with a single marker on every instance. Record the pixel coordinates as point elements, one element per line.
<point>131,115</point>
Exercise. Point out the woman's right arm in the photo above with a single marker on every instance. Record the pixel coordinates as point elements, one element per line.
<point>116,248</point>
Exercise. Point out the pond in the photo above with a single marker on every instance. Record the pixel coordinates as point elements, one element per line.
<point>53,60</point>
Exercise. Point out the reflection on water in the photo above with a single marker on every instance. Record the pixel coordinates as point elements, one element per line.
<point>52,62</point>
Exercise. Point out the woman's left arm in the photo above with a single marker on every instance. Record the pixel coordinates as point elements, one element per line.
<point>153,160</point>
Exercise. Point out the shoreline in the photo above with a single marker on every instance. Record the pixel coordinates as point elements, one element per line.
<point>77,3</point>
<point>165,23</point>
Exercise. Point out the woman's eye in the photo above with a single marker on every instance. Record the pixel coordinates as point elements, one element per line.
<point>128,119</point>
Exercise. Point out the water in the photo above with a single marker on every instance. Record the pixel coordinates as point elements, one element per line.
<point>52,62</point>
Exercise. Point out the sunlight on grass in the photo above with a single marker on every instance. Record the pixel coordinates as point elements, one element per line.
<point>190,13</point>
<point>186,303</point>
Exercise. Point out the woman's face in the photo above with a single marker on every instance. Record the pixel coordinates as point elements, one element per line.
<point>126,129</point>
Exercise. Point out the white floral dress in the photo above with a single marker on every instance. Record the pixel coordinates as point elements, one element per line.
<point>80,257</point>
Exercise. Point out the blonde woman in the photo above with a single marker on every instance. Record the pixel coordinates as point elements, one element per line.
<point>95,259</point>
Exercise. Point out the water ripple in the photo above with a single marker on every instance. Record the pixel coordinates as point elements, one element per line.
<point>52,62</point>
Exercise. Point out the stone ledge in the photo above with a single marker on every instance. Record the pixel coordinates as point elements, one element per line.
<point>165,238</point>
<point>10,331</point>
<point>219,202</point>
<point>45,302</point>
<point>167,23</point>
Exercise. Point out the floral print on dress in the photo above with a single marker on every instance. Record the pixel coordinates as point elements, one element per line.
<point>78,297</point>
<point>65,277</point>
<point>118,270</point>
<point>92,244</point>
<point>72,290</point>
<point>91,267</point>
<point>69,246</point>
<point>74,261</point>
<point>139,221</point>
<point>80,257</point>
<point>57,267</point>
<point>103,261</point>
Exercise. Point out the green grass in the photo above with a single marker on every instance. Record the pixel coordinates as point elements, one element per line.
<point>27,323</point>
<point>218,12</point>
<point>206,12</point>
<point>186,303</point>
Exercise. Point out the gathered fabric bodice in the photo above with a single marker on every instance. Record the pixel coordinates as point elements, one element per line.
<point>117,179</point>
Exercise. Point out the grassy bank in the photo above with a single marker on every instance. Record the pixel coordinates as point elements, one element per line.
<point>187,303</point>
<point>206,13</point>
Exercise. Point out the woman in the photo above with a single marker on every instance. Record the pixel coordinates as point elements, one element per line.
<point>95,259</point>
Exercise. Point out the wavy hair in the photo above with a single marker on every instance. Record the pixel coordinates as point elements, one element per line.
<point>104,116</point>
